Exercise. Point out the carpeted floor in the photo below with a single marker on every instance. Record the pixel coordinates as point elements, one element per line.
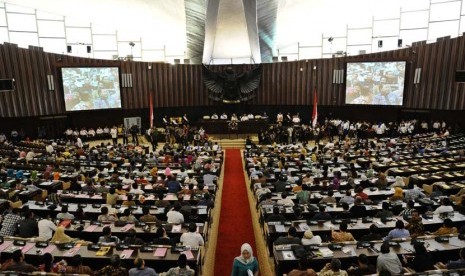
<point>235,225</point>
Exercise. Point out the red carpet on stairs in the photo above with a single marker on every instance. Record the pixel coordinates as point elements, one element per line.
<point>235,225</point>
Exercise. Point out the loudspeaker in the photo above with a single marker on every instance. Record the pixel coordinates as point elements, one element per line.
<point>177,61</point>
<point>399,42</point>
<point>89,49</point>
<point>380,43</point>
<point>283,58</point>
<point>187,61</point>
<point>460,76</point>
<point>69,49</point>
<point>275,59</point>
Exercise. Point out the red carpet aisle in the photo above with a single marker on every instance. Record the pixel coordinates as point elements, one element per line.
<point>235,226</point>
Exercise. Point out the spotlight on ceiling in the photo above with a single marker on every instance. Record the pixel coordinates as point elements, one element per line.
<point>330,39</point>
<point>131,44</point>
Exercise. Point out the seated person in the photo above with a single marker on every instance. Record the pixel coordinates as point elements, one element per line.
<point>374,234</point>
<point>309,238</point>
<point>147,217</point>
<point>332,269</point>
<point>322,214</point>
<point>161,237</point>
<point>421,261</point>
<point>64,214</point>
<point>415,225</point>
<point>342,235</point>
<point>330,199</point>
<point>141,269</point>
<point>388,261</point>
<point>459,264</point>
<point>127,216</point>
<point>398,232</point>
<point>276,216</point>
<point>214,116</point>
<point>446,207</point>
<point>192,238</point>
<point>414,194</point>
<point>447,228</point>
<point>223,116</point>
<point>18,264</point>
<point>291,238</point>
<point>181,269</point>
<point>285,200</point>
<point>398,194</point>
<point>105,216</point>
<point>132,239</point>
<point>385,212</point>
<point>107,238</point>
<point>174,215</point>
<point>28,227</point>
<point>347,198</point>
<point>363,267</point>
<point>75,266</point>
<point>61,237</point>
<point>360,193</point>
<point>406,213</point>
<point>358,210</point>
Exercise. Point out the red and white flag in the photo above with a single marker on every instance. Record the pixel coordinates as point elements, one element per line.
<point>315,109</point>
<point>151,111</point>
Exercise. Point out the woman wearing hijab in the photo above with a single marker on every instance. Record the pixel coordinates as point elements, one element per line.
<point>61,237</point>
<point>398,194</point>
<point>245,262</point>
<point>309,238</point>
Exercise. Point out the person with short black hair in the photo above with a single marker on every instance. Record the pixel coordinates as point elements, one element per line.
<point>398,232</point>
<point>330,199</point>
<point>131,238</point>
<point>114,269</point>
<point>358,210</point>
<point>385,212</point>
<point>363,268</point>
<point>147,217</point>
<point>112,196</point>
<point>105,216</point>
<point>421,261</point>
<point>322,214</point>
<point>28,227</point>
<point>374,234</point>
<point>447,228</point>
<point>141,269</point>
<point>161,237</point>
<point>276,216</point>
<point>65,214</point>
<point>18,264</point>
<point>342,235</point>
<point>75,266</point>
<point>181,269</point>
<point>388,261</point>
<point>174,216</point>
<point>192,238</point>
<point>291,237</point>
<point>459,264</point>
<point>107,238</point>
<point>332,269</point>
<point>407,212</point>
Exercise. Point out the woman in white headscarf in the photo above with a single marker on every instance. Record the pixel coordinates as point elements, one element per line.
<point>399,182</point>
<point>245,264</point>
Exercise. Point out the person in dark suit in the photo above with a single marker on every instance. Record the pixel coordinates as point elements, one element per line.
<point>358,210</point>
<point>374,234</point>
<point>322,215</point>
<point>280,185</point>
<point>276,216</point>
<point>291,238</point>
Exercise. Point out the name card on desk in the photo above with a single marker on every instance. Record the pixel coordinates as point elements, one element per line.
<point>73,251</point>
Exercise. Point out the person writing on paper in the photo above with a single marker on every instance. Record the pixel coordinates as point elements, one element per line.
<point>245,264</point>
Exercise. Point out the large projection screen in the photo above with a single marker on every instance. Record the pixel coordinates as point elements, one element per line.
<point>375,83</point>
<point>91,88</point>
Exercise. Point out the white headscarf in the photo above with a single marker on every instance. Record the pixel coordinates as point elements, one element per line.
<point>248,248</point>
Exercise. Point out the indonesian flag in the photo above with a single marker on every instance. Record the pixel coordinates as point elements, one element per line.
<point>151,111</point>
<point>315,109</point>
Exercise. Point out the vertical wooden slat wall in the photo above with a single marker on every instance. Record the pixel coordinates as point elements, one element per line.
<point>284,83</point>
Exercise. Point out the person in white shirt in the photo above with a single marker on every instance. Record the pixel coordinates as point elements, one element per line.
<point>49,149</point>
<point>251,117</point>
<point>309,238</point>
<point>91,132</point>
<point>244,118</point>
<point>79,143</point>
<point>83,133</point>
<point>127,181</point>
<point>192,238</point>
<point>174,216</point>
<point>190,180</point>
<point>46,228</point>
<point>135,189</point>
<point>285,200</point>
<point>279,118</point>
<point>214,116</point>
<point>445,207</point>
<point>224,116</point>
<point>114,135</point>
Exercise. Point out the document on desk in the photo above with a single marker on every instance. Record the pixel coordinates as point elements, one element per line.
<point>280,228</point>
<point>73,251</point>
<point>303,226</point>
<point>288,255</point>
<point>189,254</point>
<point>91,228</point>
<point>127,227</point>
<point>126,254</point>
<point>49,249</point>
<point>326,252</point>
<point>407,247</point>
<point>5,245</point>
<point>27,247</point>
<point>160,252</point>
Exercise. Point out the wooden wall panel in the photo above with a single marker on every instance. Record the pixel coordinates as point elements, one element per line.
<point>283,83</point>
